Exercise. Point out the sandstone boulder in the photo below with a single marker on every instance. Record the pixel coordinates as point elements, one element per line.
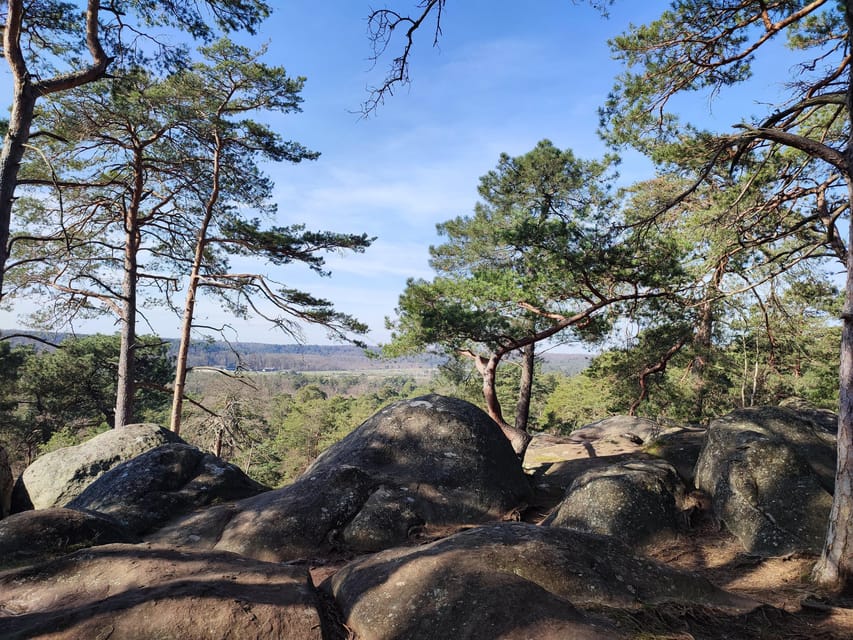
<point>162,484</point>
<point>448,455</point>
<point>58,477</point>
<point>770,473</point>
<point>301,520</point>
<point>34,536</point>
<point>431,460</point>
<point>635,501</point>
<point>680,447</point>
<point>386,518</point>
<point>135,591</point>
<point>480,583</point>
<point>553,480</point>
<point>616,428</point>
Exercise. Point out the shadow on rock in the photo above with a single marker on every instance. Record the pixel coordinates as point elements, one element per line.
<point>428,461</point>
<point>379,595</point>
<point>134,591</point>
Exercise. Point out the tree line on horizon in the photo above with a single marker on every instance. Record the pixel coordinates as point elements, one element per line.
<point>273,425</point>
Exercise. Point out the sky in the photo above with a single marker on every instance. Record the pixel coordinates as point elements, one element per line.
<point>500,79</point>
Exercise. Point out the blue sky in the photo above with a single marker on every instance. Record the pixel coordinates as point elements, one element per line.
<point>501,79</point>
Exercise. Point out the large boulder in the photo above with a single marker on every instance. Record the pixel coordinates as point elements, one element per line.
<point>134,591</point>
<point>680,446</point>
<point>770,472</point>
<point>635,501</point>
<point>58,477</point>
<point>553,480</point>
<point>452,459</point>
<point>35,536</point>
<point>428,461</point>
<point>162,484</point>
<point>298,521</point>
<point>617,428</point>
<point>6,484</point>
<point>508,580</point>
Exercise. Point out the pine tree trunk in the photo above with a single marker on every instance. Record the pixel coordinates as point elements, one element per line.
<point>20,120</point>
<point>488,368</point>
<point>835,567</point>
<point>192,290</point>
<point>184,346</point>
<point>217,445</point>
<point>488,371</point>
<point>702,349</point>
<point>24,96</point>
<point>126,379</point>
<point>525,386</point>
<point>127,349</point>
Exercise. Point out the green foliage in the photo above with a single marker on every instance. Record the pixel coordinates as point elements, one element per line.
<point>541,228</point>
<point>13,428</point>
<point>549,250</point>
<point>278,423</point>
<point>740,210</point>
<point>69,437</point>
<point>784,344</point>
<point>54,32</point>
<point>787,344</point>
<point>165,157</point>
<point>578,400</point>
<point>55,398</point>
<point>74,386</point>
<point>309,421</point>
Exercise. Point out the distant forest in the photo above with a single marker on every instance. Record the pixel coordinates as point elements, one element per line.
<point>259,356</point>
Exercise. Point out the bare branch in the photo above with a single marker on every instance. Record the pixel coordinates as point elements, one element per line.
<point>381,25</point>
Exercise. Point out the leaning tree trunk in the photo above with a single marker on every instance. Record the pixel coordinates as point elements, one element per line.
<point>20,120</point>
<point>184,346</point>
<point>192,291</point>
<point>488,368</point>
<point>835,566</point>
<point>525,386</point>
<point>24,95</point>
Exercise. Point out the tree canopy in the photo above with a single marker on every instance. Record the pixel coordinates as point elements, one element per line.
<point>53,46</point>
<point>706,45</point>
<point>545,251</point>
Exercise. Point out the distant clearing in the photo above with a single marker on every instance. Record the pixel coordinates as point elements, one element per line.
<point>319,359</point>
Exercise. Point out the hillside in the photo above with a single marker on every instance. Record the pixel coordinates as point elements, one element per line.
<point>259,356</point>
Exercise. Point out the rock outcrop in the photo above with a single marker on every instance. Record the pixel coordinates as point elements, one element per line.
<point>508,580</point>
<point>614,428</point>
<point>770,473</point>
<point>304,519</point>
<point>428,461</point>
<point>34,536</point>
<point>135,591</point>
<point>680,447</point>
<point>58,477</point>
<point>451,458</point>
<point>162,484</point>
<point>432,465</point>
<point>634,501</point>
